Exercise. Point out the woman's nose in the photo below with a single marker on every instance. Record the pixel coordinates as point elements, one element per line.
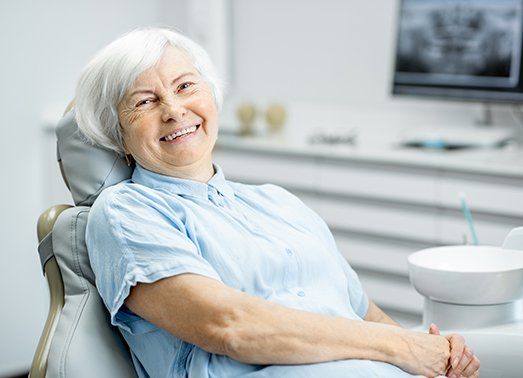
<point>173,111</point>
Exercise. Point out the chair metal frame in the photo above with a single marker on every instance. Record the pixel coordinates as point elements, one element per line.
<point>52,273</point>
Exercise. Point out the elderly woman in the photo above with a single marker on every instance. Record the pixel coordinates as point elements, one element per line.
<point>206,277</point>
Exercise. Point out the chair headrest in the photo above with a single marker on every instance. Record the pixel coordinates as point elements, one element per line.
<point>87,169</point>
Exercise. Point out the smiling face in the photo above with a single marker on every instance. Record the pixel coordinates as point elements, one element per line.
<point>169,119</point>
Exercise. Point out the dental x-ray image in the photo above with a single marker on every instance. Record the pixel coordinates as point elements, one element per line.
<point>467,42</point>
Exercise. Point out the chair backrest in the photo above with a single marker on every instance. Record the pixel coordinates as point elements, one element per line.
<point>78,340</point>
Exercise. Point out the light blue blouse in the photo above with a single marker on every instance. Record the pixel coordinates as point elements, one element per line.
<point>260,239</point>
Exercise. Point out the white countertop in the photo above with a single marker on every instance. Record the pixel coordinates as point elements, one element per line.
<point>379,149</point>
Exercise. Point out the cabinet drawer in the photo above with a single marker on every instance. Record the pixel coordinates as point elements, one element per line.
<point>490,194</point>
<point>260,168</point>
<point>388,220</point>
<point>378,181</point>
<point>490,230</point>
<point>387,256</point>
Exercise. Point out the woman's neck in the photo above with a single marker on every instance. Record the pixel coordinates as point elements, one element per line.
<point>196,172</point>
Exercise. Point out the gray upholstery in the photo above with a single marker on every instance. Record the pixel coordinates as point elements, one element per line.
<point>87,169</point>
<point>84,343</point>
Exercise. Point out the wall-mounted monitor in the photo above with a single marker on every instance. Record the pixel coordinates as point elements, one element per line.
<point>461,49</point>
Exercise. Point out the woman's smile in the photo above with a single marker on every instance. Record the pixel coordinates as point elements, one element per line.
<point>181,135</point>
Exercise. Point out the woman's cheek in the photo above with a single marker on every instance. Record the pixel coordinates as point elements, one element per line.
<point>135,116</point>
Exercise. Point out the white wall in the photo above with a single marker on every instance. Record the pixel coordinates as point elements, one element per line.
<point>330,61</point>
<point>44,46</point>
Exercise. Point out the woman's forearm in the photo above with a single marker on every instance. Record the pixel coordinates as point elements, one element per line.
<point>267,333</point>
<point>376,314</point>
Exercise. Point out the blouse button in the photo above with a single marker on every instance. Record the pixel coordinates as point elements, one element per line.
<point>289,252</point>
<point>301,293</point>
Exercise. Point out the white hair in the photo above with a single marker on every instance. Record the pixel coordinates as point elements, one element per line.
<point>108,76</point>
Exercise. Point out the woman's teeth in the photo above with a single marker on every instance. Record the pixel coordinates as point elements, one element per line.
<point>181,132</point>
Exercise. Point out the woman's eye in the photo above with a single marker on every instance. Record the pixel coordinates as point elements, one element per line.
<point>184,86</point>
<point>144,102</point>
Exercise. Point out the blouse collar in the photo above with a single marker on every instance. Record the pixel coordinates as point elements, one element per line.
<point>184,186</point>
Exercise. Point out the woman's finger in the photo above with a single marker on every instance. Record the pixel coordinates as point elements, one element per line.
<point>466,359</point>
<point>433,329</point>
<point>457,346</point>
<point>472,368</point>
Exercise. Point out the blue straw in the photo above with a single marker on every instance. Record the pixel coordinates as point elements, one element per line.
<point>468,217</point>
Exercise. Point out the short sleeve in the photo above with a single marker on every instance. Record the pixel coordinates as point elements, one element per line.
<point>132,238</point>
<point>357,296</point>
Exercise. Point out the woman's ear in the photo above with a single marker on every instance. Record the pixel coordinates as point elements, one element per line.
<point>126,152</point>
<point>127,156</point>
<point>128,159</point>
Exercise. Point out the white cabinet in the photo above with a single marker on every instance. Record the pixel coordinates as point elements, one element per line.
<point>382,182</point>
<point>262,167</point>
<point>382,207</point>
<point>491,194</point>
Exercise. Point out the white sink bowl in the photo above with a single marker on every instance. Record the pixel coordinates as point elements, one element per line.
<point>468,275</point>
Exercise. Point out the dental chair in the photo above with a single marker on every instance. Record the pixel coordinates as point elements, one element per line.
<point>78,340</point>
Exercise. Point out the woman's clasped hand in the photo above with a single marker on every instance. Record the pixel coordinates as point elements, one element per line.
<point>462,361</point>
<point>433,355</point>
